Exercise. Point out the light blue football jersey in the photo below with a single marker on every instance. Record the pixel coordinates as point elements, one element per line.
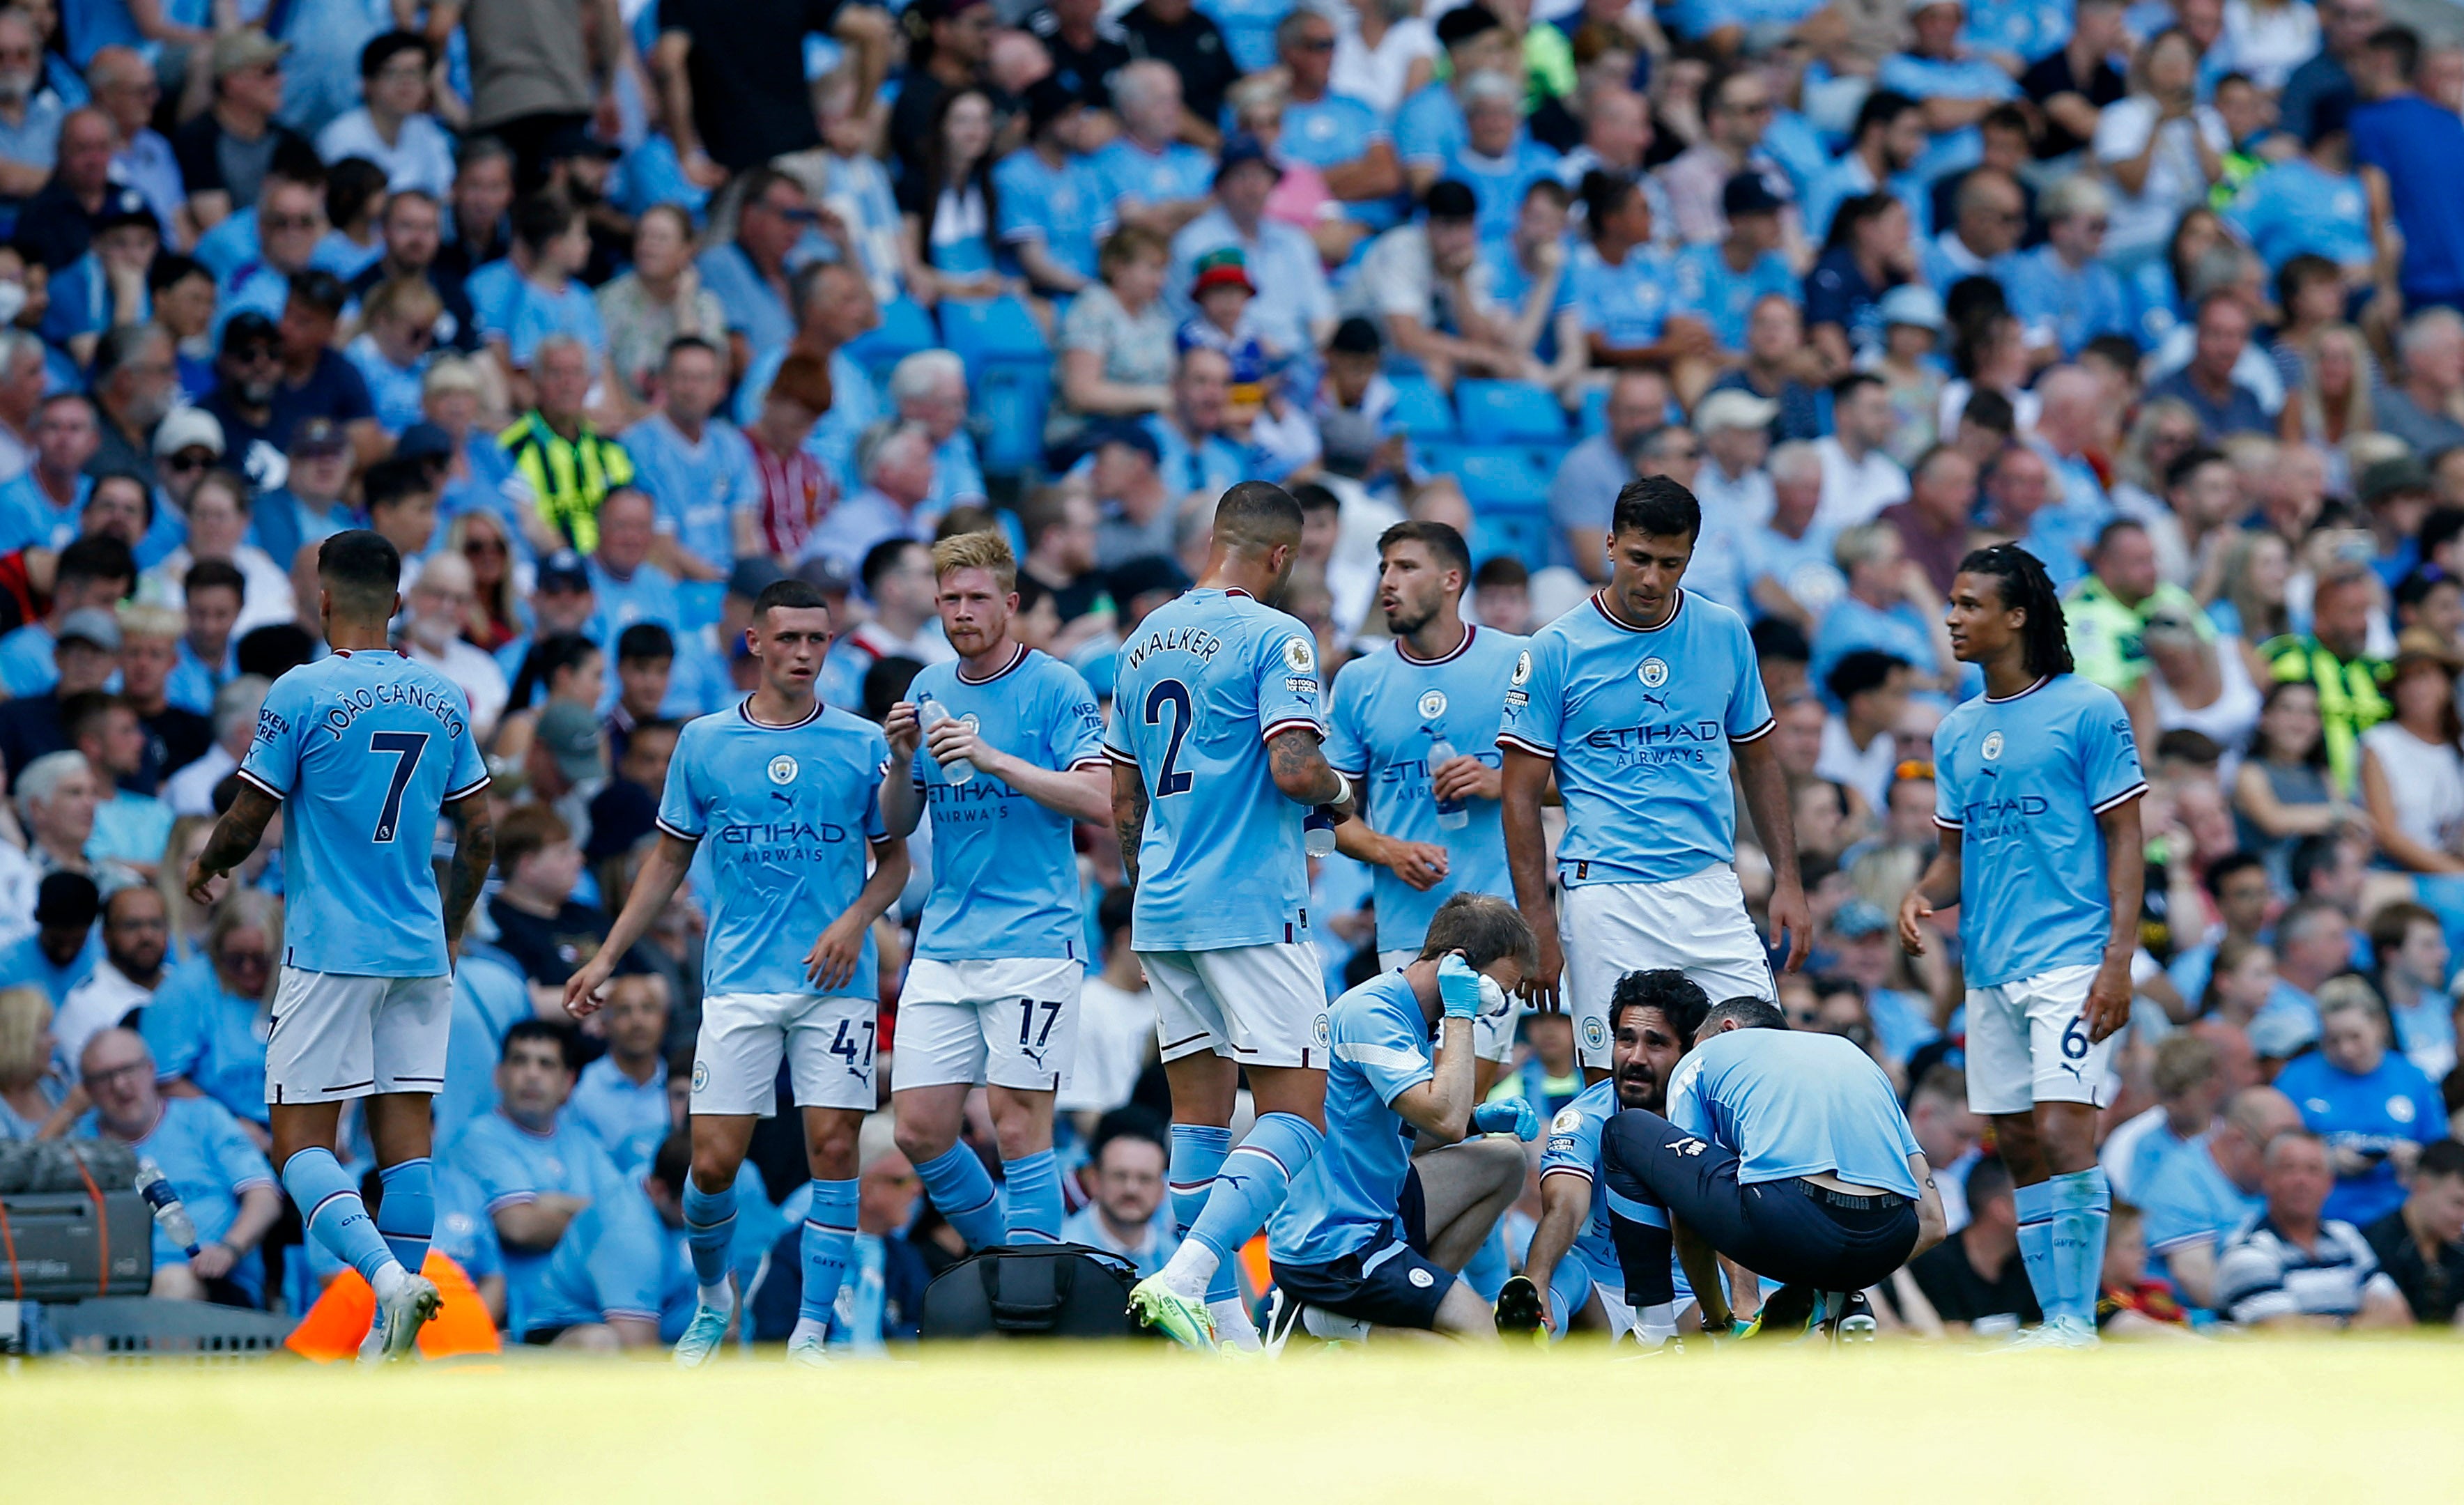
<point>2022,781</point>
<point>1389,708</point>
<point>365,749</point>
<point>1206,681</point>
<point>786,813</point>
<point>1005,872</point>
<point>513,1165</point>
<point>1795,1104</point>
<point>1344,1198</point>
<point>1574,1147</point>
<point>1640,724</point>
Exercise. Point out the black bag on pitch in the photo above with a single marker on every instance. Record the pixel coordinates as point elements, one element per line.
<point>1032,1291</point>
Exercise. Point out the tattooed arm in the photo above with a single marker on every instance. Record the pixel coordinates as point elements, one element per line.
<point>1129,815</point>
<point>475,852</point>
<point>234,837</point>
<point>1301,770</point>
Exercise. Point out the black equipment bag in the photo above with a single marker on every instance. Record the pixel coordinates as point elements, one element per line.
<point>1032,1291</point>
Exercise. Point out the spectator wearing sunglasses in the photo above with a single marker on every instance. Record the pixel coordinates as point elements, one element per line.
<point>750,273</point>
<point>398,337</point>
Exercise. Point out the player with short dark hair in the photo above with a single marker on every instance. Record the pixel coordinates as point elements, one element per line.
<point>1372,1234</point>
<point>362,752</point>
<point>1784,1151</point>
<point>2037,792</point>
<point>1569,1273</point>
<point>1434,686</point>
<point>787,792</point>
<point>1637,702</point>
<point>1216,758</point>
<point>1013,757</point>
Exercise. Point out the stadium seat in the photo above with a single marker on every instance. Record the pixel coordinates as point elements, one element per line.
<point>987,330</point>
<point>905,328</point>
<point>1010,401</point>
<point>1421,410</point>
<point>1492,474</point>
<point>1248,29</point>
<point>1510,412</point>
<point>1594,417</point>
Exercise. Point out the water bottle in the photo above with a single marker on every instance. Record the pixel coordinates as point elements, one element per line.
<point>1317,832</point>
<point>169,1214</point>
<point>929,714</point>
<point>1452,815</point>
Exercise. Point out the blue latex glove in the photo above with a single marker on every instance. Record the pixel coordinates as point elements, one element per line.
<point>1514,1115</point>
<point>1458,987</point>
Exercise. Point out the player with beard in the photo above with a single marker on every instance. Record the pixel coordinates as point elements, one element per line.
<point>1431,826</point>
<point>1653,1015</point>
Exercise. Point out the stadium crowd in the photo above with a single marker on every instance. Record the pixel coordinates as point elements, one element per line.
<point>609,316</point>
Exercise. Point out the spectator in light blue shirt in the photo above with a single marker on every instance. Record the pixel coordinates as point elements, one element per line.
<point>208,1021</point>
<point>1981,243</point>
<point>392,127</point>
<point>622,1098</point>
<point>2063,291</point>
<point>750,273</point>
<point>124,88</point>
<point>1720,281</point>
<point>533,292</point>
<point>1294,309</point>
<point>1430,128</point>
<point>929,389</point>
<point>1343,138</point>
<point>392,351</point>
<point>1888,606</point>
<point>2312,203</point>
<point>1127,1215</point>
<point>1496,158</point>
<point>697,466</point>
<point>1957,86</point>
<point>1052,207</point>
<point>1151,177</point>
<point>29,124</point>
<point>628,586</point>
<point>896,463</point>
<point>1889,137</point>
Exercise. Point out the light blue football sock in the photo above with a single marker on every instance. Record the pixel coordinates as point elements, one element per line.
<point>1253,1183</point>
<point>829,1234</point>
<point>1034,1198</point>
<point>1198,1151</point>
<point>965,1196</point>
<point>407,1215</point>
<point>2082,1203</point>
<point>330,1207</point>
<point>709,1228</point>
<point>1487,1272</point>
<point>2035,1207</point>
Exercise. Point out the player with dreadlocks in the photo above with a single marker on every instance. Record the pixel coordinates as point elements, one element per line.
<point>2038,799</point>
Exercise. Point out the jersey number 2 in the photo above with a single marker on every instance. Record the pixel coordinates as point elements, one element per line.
<point>1170,779</point>
<point>405,746</point>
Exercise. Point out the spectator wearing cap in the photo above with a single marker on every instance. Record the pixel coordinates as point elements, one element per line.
<point>107,285</point>
<point>437,600</point>
<point>218,530</point>
<point>1053,211</point>
<point>567,466</point>
<point>392,127</point>
<point>1125,477</point>
<point>1734,428</point>
<point>86,654</point>
<point>50,920</point>
<point>1888,137</point>
<point>1152,178</point>
<point>133,384</point>
<point>90,578</point>
<point>1426,289</point>
<point>41,504</point>
<point>228,151</point>
<point>562,602</point>
<point>1344,137</point>
<point>188,442</point>
<point>532,293</point>
<point>1430,126</point>
<point>57,221</point>
<point>303,511</point>
<point>895,502</point>
<point>695,464</point>
<point>2292,1267</point>
<point>566,765</point>
<point>1719,283</point>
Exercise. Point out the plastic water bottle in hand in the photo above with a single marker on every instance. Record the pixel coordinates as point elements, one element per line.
<point>171,1214</point>
<point>1452,815</point>
<point>1317,832</point>
<point>929,714</point>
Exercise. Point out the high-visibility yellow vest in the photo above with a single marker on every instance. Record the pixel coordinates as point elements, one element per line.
<point>569,477</point>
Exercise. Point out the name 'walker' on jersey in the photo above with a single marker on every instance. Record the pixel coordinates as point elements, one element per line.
<point>1005,872</point>
<point>787,815</point>
<point>1203,685</point>
<point>2022,781</point>
<point>1639,723</point>
<point>364,748</point>
<point>1388,710</point>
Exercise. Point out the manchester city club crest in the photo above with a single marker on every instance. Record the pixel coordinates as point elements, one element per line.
<point>1299,655</point>
<point>1318,1029</point>
<point>1653,673</point>
<point>1596,1034</point>
<point>1992,748</point>
<point>782,769</point>
<point>1432,705</point>
<point>1522,668</point>
<point>701,1075</point>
